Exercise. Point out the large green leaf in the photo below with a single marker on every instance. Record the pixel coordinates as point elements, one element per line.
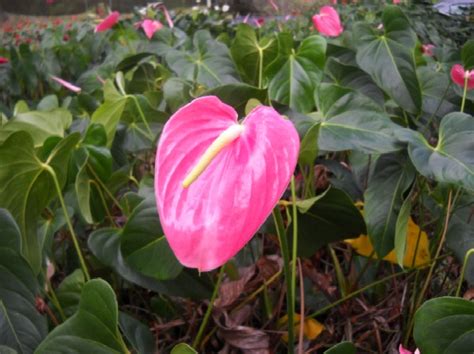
<point>252,55</point>
<point>383,200</point>
<point>467,54</point>
<point>21,326</point>
<point>177,93</point>
<point>332,218</point>
<point>137,333</point>
<point>183,348</point>
<point>237,95</point>
<point>105,245</point>
<point>27,186</point>
<point>452,159</point>
<point>342,348</point>
<point>69,292</point>
<point>40,125</point>
<point>353,121</point>
<point>144,245</point>
<point>296,79</point>
<point>209,64</point>
<point>94,327</point>
<point>445,325</point>
<point>389,57</point>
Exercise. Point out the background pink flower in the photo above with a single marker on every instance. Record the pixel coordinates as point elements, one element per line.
<point>3,60</point>
<point>427,49</point>
<point>208,222</point>
<point>327,22</point>
<point>458,75</point>
<point>66,84</point>
<point>150,27</point>
<point>108,22</point>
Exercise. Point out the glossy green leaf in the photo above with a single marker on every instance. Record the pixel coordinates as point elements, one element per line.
<point>137,334</point>
<point>401,231</point>
<point>309,146</point>
<point>452,159</point>
<point>11,236</point>
<point>83,189</point>
<point>354,122</point>
<point>252,55</point>
<point>22,171</point>
<point>342,348</point>
<point>209,64</point>
<point>22,327</point>
<point>69,292</point>
<point>183,348</point>
<point>48,103</point>
<point>389,57</point>
<point>40,125</point>
<point>144,245</point>
<point>237,95</point>
<point>177,93</point>
<point>445,325</point>
<point>295,81</point>
<point>105,245</point>
<point>332,218</point>
<point>383,200</point>
<point>467,54</point>
<point>94,327</point>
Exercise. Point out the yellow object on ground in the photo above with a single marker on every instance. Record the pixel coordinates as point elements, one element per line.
<point>311,328</point>
<point>363,246</point>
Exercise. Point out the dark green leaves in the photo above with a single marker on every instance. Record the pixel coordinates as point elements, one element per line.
<point>93,329</point>
<point>467,55</point>
<point>295,81</point>
<point>389,57</point>
<point>252,55</point>
<point>383,200</point>
<point>452,159</point>
<point>27,184</point>
<point>209,64</point>
<point>445,326</point>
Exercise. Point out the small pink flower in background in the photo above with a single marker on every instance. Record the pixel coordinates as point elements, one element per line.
<point>4,60</point>
<point>334,2</point>
<point>68,85</point>
<point>218,179</point>
<point>246,18</point>
<point>49,2</point>
<point>273,4</point>
<point>396,2</point>
<point>150,27</point>
<point>327,22</point>
<point>402,350</point>
<point>259,22</point>
<point>108,22</point>
<point>459,76</point>
<point>427,49</point>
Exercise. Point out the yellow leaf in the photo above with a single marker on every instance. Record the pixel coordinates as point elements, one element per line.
<point>311,328</point>
<point>417,241</point>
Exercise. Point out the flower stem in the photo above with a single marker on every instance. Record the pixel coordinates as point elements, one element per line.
<point>285,252</point>
<point>203,326</point>
<point>464,94</point>
<point>294,256</point>
<point>68,221</point>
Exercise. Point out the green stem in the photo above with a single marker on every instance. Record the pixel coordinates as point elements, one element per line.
<point>53,298</point>
<point>104,187</point>
<point>142,116</point>
<point>464,94</point>
<point>203,326</point>
<point>464,266</point>
<point>68,221</point>
<point>294,255</point>
<point>285,252</point>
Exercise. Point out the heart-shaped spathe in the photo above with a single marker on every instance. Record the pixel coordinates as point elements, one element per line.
<point>208,222</point>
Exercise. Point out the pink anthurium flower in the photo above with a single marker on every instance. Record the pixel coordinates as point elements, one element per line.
<point>108,22</point>
<point>460,76</point>
<point>217,179</point>
<point>402,350</point>
<point>327,22</point>
<point>396,2</point>
<point>4,60</point>
<point>150,27</point>
<point>427,49</point>
<point>66,84</point>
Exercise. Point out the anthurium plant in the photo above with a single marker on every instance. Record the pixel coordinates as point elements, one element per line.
<point>202,181</point>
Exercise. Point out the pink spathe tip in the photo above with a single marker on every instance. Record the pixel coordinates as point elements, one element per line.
<point>4,60</point>
<point>150,27</point>
<point>66,84</point>
<point>428,49</point>
<point>402,350</point>
<point>459,76</point>
<point>327,22</point>
<point>208,221</point>
<point>108,22</point>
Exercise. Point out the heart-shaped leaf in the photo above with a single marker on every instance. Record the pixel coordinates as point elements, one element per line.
<point>445,325</point>
<point>452,159</point>
<point>94,327</point>
<point>31,177</point>
<point>295,81</point>
<point>137,333</point>
<point>389,57</point>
